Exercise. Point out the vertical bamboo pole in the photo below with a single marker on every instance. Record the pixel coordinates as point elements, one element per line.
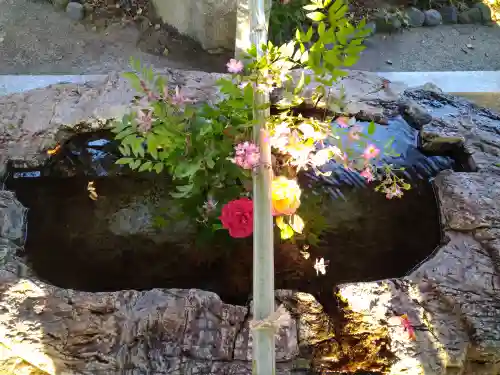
<point>263,248</point>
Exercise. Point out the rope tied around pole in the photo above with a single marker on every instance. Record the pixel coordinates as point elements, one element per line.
<point>279,318</point>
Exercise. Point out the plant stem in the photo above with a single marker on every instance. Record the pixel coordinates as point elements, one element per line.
<point>263,249</point>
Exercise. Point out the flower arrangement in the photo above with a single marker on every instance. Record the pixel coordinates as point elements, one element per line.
<point>208,148</point>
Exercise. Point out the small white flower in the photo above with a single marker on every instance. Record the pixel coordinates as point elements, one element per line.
<point>320,266</point>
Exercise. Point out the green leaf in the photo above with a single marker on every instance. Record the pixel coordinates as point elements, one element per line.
<point>297,224</point>
<point>152,143</point>
<point>298,35</point>
<point>124,161</point>
<point>185,188</point>
<point>297,55</point>
<point>300,84</point>
<point>350,60</point>
<point>310,7</point>
<point>228,87</point>
<point>149,74</point>
<point>134,80</point>
<point>160,84</point>
<point>309,34</point>
<point>124,149</point>
<point>125,133</point>
<point>280,222</point>
<point>316,16</point>
<point>147,166</point>
<point>288,49</point>
<point>287,232</point>
<point>312,239</point>
<point>248,94</point>
<point>184,191</point>
<point>158,167</point>
<point>135,164</point>
<point>321,29</point>
<point>371,128</point>
<point>135,63</point>
<point>217,227</point>
<point>136,146</point>
<point>186,169</point>
<point>305,57</point>
<point>210,162</point>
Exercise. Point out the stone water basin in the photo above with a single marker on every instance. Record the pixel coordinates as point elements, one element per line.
<point>112,243</point>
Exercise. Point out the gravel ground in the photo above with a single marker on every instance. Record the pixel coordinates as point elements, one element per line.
<point>442,48</point>
<point>34,38</point>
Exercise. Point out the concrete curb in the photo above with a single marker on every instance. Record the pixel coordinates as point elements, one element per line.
<point>18,83</point>
<point>456,82</point>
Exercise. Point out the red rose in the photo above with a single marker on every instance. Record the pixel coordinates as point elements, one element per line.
<point>237,217</point>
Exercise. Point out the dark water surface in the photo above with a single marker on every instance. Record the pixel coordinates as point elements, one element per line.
<point>71,241</point>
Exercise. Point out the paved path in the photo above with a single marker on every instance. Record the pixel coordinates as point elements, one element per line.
<point>36,39</point>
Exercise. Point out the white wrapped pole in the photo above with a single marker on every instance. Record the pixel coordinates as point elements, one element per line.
<point>263,245</point>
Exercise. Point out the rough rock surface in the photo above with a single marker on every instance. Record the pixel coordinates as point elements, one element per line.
<point>415,16</point>
<point>432,17</point>
<point>449,14</point>
<point>451,299</point>
<point>472,15</point>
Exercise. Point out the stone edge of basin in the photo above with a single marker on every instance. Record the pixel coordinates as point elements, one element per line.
<point>452,82</point>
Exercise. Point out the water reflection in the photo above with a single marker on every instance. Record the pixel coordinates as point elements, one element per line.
<point>404,142</point>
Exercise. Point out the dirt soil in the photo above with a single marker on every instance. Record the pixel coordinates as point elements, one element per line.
<point>35,38</point>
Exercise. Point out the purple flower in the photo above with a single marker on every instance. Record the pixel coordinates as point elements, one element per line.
<point>247,155</point>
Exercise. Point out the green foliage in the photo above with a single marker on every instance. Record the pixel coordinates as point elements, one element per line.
<point>285,18</point>
<point>193,143</point>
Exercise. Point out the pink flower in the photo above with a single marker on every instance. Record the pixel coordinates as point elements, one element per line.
<point>354,133</point>
<point>145,120</point>
<point>343,122</point>
<point>393,191</point>
<point>371,152</point>
<point>247,155</point>
<point>234,66</point>
<point>367,174</point>
<point>178,98</point>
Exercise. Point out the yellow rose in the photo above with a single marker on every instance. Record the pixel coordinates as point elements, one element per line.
<point>285,196</point>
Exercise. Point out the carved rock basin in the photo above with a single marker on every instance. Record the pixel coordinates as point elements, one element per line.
<point>451,299</point>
